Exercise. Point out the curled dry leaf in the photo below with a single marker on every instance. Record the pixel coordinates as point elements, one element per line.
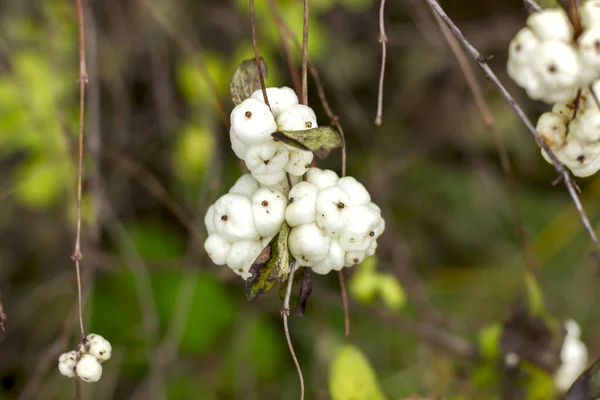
<point>245,80</point>
<point>271,266</point>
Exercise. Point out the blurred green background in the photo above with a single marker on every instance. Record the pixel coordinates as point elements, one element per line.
<point>425,315</point>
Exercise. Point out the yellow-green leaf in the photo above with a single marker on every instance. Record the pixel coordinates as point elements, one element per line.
<point>351,376</point>
<point>535,299</point>
<point>321,140</point>
<point>489,341</point>
<point>391,292</point>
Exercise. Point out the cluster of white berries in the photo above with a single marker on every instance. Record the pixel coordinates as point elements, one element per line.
<point>333,222</point>
<point>572,131</point>
<point>252,123</point>
<point>556,64</point>
<point>549,61</point>
<point>85,362</point>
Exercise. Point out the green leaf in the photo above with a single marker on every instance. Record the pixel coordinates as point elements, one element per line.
<point>535,299</point>
<point>271,266</point>
<point>245,80</point>
<point>320,140</point>
<point>391,292</point>
<point>351,376</point>
<point>489,341</point>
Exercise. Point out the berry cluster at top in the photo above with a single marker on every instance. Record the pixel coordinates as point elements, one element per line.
<point>252,123</point>
<point>548,61</point>
<point>85,362</point>
<point>333,223</point>
<point>558,64</point>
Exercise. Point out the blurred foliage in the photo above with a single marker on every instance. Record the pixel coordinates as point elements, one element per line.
<point>157,154</point>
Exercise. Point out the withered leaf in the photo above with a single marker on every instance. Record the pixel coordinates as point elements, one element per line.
<point>305,290</point>
<point>245,80</point>
<point>320,140</point>
<point>271,266</point>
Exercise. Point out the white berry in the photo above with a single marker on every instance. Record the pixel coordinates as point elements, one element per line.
<point>280,99</point>
<point>268,210</point>
<point>297,118</point>
<point>88,368</point>
<point>99,347</point>
<point>252,121</point>
<point>67,363</point>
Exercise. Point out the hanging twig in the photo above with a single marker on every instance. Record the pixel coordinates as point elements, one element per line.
<point>383,40</point>
<point>261,76</point>
<point>531,6</point>
<point>481,62</point>
<point>490,125</point>
<point>305,55</point>
<point>2,315</point>
<point>285,312</point>
<point>76,256</point>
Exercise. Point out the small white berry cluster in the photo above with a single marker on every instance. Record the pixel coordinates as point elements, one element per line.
<point>572,131</point>
<point>334,222</point>
<point>548,61</point>
<point>85,362</point>
<point>252,123</point>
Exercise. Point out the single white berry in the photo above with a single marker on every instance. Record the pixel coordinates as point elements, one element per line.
<point>252,121</point>
<point>362,229</point>
<point>564,110</point>
<point>280,99</point>
<point>527,78</point>
<point>357,192</point>
<point>302,208</point>
<point>246,185</point>
<point>239,148</point>
<point>99,347</point>
<point>333,206</point>
<point>88,368</point>
<point>217,248</point>
<point>586,128</point>
<point>322,179</point>
<point>552,128</point>
<point>268,210</point>
<point>308,244</point>
<point>523,47</point>
<point>297,118</point>
<point>241,256</point>
<point>232,217</point>
<point>590,13</point>
<point>299,162</point>
<point>589,48</point>
<point>353,258</point>
<point>67,363</point>
<point>266,158</point>
<point>558,66</point>
<point>372,248</point>
<point>551,24</point>
<point>333,261</point>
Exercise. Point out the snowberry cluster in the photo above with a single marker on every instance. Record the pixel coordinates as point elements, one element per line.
<point>253,122</point>
<point>549,61</point>
<point>334,223</point>
<point>573,357</point>
<point>572,131</point>
<point>85,362</point>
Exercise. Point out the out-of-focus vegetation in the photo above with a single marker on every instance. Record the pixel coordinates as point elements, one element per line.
<point>450,265</point>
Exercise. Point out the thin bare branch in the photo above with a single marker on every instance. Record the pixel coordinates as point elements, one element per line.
<point>342,280</point>
<point>76,256</point>
<point>184,43</point>
<point>383,40</point>
<point>261,76</point>
<point>2,315</point>
<point>305,54</point>
<point>490,124</point>
<point>285,312</point>
<point>481,62</point>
